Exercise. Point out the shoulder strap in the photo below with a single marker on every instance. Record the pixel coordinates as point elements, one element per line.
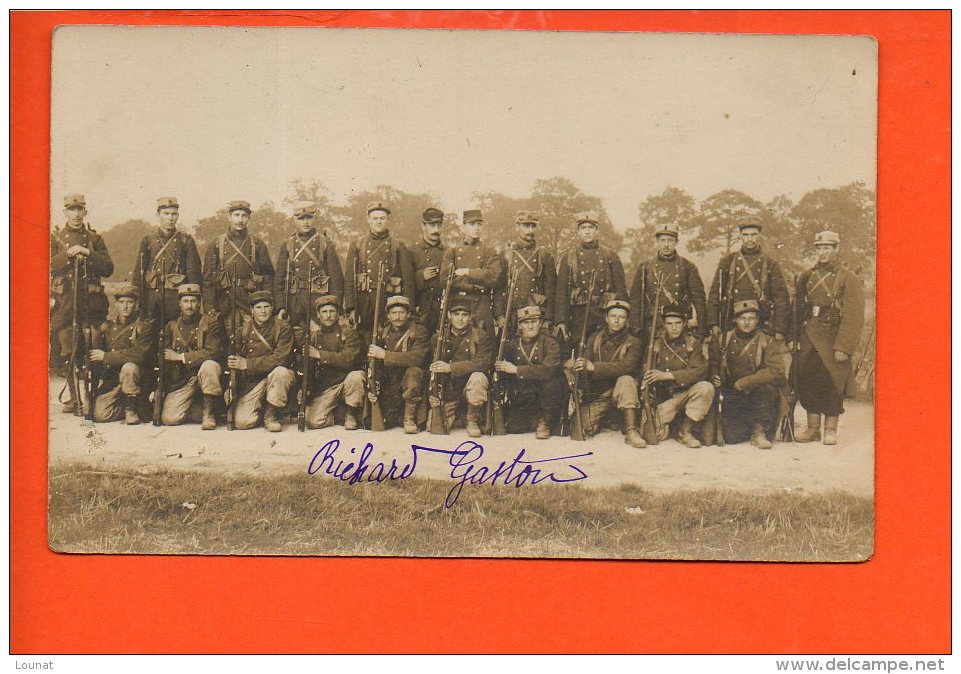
<point>762,344</point>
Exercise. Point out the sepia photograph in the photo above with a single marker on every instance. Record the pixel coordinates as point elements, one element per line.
<point>460,293</point>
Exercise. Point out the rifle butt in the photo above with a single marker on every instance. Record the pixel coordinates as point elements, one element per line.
<point>436,423</point>
<point>377,422</point>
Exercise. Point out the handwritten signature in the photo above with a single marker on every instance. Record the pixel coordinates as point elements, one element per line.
<point>465,463</point>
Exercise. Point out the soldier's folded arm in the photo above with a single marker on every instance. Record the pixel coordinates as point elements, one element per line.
<point>628,364</point>
<point>852,315</point>
<point>280,355</point>
<point>416,354</point>
<point>99,262</point>
<point>698,299</point>
<point>696,370</point>
<point>281,279</point>
<point>213,346</point>
<point>780,299</point>
<point>137,351</point>
<point>546,369</point>
<point>334,271</point>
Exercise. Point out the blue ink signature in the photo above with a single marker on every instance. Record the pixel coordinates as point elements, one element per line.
<point>465,467</point>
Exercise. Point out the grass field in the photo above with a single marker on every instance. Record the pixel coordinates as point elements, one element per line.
<point>172,512</point>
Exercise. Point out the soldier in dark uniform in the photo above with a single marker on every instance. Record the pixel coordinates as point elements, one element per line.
<point>122,346</point>
<point>262,359</point>
<point>751,378</point>
<point>749,274</point>
<point>235,257</point>
<point>363,259</point>
<point>428,256</point>
<point>78,260</point>
<point>613,356</point>
<point>306,249</point>
<point>194,353</point>
<point>167,258</point>
<point>536,272</point>
<point>573,279</point>
<point>532,365</point>
<point>336,376</point>
<point>467,355</point>
<point>679,376</point>
<point>477,274</point>
<point>403,355</point>
<point>675,278</point>
<point>831,304</point>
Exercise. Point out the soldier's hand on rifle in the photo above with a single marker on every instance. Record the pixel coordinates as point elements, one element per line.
<point>282,314</point>
<point>96,355</point>
<point>77,249</point>
<point>583,365</point>
<point>236,362</point>
<point>505,366</point>
<point>779,337</point>
<point>431,272</point>
<point>739,385</point>
<point>460,272</point>
<point>716,381</point>
<point>440,367</point>
<point>377,352</point>
<point>561,331</point>
<point>352,318</point>
<point>840,356</point>
<point>171,355</point>
<point>434,401</point>
<point>313,352</point>
<point>716,331</point>
<point>500,322</point>
<point>653,376</point>
<point>371,396</point>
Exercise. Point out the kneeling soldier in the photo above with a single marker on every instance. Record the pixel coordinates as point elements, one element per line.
<point>123,344</point>
<point>534,359</point>
<point>466,356</point>
<point>752,372</point>
<point>613,354</point>
<point>334,352</point>
<point>679,362</point>
<point>262,359</point>
<point>194,348</point>
<point>403,354</point>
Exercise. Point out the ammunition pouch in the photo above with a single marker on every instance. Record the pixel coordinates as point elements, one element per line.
<point>826,314</point>
<point>363,283</point>
<point>253,283</point>
<point>394,285</point>
<point>94,287</point>
<point>57,284</point>
<point>538,299</point>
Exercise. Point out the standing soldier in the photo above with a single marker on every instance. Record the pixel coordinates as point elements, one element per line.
<point>291,285</point>
<point>335,352</point>
<point>466,357</point>
<point>403,354</point>
<point>364,256</point>
<point>428,255</point>
<point>679,377</point>
<point>675,278</point>
<point>194,351</point>
<point>573,279</point>
<point>831,305</point>
<point>537,387</point>
<point>477,274</point>
<point>535,269</point>
<point>262,359</point>
<point>751,377</point>
<point>167,258</point>
<point>78,260</point>
<point>749,274</point>
<point>122,346</point>
<point>235,257</point>
<point>613,356</point>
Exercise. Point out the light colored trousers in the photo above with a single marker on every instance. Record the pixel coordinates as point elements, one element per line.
<point>183,402</point>
<point>109,405</point>
<point>623,396</point>
<point>320,409</point>
<point>275,388</point>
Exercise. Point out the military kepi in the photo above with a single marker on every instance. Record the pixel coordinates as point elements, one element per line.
<point>744,306</point>
<point>527,313</point>
<point>617,304</point>
<point>326,300</point>
<point>526,218</point>
<point>673,310</point>
<point>666,229</point>
<point>586,216</point>
<point>473,215</point>
<point>398,301</point>
<point>827,237</point>
<point>238,205</point>
<point>461,304</point>
<point>185,289</point>
<point>261,296</point>
<point>433,215</point>
<point>749,221</point>
<point>167,202</point>
<point>377,206</point>
<point>305,209</point>
<point>127,290</point>
<point>74,201</point>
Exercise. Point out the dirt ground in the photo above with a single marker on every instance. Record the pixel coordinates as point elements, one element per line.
<point>669,466</point>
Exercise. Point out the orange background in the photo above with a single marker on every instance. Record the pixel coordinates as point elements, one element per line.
<point>899,602</point>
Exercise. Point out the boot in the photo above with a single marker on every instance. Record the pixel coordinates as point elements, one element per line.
<point>813,431</point>
<point>350,419</point>
<point>71,405</point>
<point>685,437</point>
<point>271,422</point>
<point>543,431</point>
<point>410,423</point>
<point>131,417</point>
<point>207,421</point>
<point>631,436</point>
<point>473,420</point>
<point>758,439</point>
<point>830,430</point>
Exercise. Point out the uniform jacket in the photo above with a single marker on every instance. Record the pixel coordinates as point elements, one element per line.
<point>683,357</point>
<point>613,355</point>
<point>200,339</point>
<point>254,270</point>
<point>130,341</point>
<point>537,360</point>
<point>485,271</point>
<point>573,279</point>
<point>339,353</point>
<point>98,265</point>
<point>536,277</point>
<point>428,293</point>
<point>753,360</point>
<point>301,251</point>
<point>364,255</point>
<point>265,346</point>
<point>742,266</point>
<point>407,347</point>
<point>174,258</point>
<point>469,352</point>
<point>680,284</point>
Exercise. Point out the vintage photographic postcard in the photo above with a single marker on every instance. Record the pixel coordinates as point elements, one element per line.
<point>325,291</point>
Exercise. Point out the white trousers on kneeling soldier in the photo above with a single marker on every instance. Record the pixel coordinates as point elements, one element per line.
<point>320,409</point>
<point>695,401</point>
<point>275,387</point>
<point>622,397</point>
<point>184,401</point>
<point>110,404</point>
<point>474,392</point>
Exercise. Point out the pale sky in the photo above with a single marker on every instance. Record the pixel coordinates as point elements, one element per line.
<point>215,114</point>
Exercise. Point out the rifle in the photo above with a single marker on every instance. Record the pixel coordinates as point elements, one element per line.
<point>372,399</point>
<point>80,368</point>
<point>498,392</point>
<point>785,428</point>
<point>232,350</point>
<point>305,352</point>
<point>578,429</point>
<point>437,417</point>
<point>144,309</point>
<point>158,396</point>
<point>287,294</point>
<point>652,420</point>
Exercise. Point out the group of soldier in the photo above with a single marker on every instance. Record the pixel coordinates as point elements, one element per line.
<point>429,336</point>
